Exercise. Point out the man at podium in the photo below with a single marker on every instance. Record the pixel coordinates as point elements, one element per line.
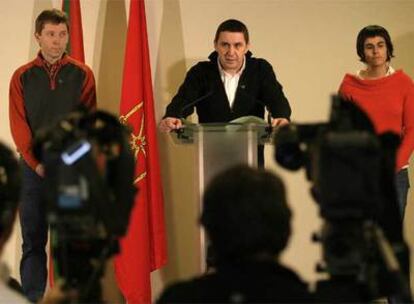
<point>230,85</point>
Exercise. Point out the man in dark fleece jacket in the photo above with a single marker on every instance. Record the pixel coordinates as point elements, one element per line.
<point>230,85</point>
<point>41,93</point>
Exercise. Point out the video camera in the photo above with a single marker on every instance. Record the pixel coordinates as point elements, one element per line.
<point>352,171</point>
<point>89,171</point>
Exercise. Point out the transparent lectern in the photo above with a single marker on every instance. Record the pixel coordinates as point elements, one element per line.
<point>219,146</point>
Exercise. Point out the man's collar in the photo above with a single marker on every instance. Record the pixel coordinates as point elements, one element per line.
<point>40,60</point>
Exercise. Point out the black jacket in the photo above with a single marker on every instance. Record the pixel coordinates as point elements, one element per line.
<point>255,282</point>
<point>203,88</point>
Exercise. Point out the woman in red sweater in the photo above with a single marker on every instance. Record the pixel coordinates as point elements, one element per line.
<point>386,95</point>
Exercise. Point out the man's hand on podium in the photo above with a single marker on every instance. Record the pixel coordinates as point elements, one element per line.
<point>169,124</point>
<point>279,122</point>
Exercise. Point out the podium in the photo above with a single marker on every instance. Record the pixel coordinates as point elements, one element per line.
<point>219,146</point>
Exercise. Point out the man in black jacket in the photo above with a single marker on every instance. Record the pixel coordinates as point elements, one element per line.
<point>247,219</point>
<point>231,85</point>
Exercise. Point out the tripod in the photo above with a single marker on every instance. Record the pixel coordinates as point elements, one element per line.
<point>363,266</point>
<point>80,263</point>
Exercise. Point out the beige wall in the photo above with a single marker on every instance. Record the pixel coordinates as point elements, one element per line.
<point>311,44</point>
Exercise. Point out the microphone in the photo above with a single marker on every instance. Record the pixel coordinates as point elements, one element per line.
<point>193,103</point>
<point>269,114</point>
<point>180,131</point>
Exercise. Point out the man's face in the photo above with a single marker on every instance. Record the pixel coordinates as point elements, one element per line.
<point>52,41</point>
<point>231,48</point>
<point>375,51</point>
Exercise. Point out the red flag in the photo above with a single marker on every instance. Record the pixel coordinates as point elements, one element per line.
<point>143,249</point>
<point>75,45</point>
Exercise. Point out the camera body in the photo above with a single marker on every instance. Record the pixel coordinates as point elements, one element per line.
<point>352,171</point>
<point>351,167</point>
<point>89,191</point>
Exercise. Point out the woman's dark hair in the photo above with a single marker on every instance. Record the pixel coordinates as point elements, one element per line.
<point>232,25</point>
<point>245,214</point>
<point>373,31</point>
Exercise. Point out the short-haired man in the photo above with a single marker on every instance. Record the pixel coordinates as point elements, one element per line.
<point>231,85</point>
<point>247,219</point>
<point>41,93</point>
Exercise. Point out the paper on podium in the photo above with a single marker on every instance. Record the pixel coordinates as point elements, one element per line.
<point>264,130</point>
<point>249,120</point>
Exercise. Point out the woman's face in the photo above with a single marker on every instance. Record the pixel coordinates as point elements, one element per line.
<point>375,52</point>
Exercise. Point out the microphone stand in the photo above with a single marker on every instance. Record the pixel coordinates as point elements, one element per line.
<point>181,132</point>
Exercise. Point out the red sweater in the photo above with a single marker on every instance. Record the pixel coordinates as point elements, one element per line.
<point>389,102</point>
<point>37,101</point>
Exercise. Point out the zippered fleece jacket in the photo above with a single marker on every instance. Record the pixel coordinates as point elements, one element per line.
<point>257,88</point>
<point>37,101</point>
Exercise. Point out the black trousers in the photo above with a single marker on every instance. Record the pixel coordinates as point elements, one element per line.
<point>34,228</point>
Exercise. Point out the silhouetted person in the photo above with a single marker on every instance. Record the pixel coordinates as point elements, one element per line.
<point>10,291</point>
<point>247,220</point>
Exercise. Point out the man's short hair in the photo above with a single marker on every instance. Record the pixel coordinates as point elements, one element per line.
<point>245,214</point>
<point>53,16</point>
<point>232,25</point>
<point>373,31</point>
